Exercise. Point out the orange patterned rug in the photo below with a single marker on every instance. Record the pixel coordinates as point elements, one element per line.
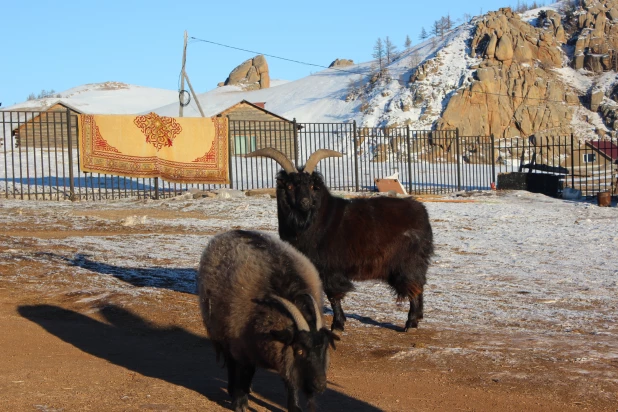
<point>180,150</point>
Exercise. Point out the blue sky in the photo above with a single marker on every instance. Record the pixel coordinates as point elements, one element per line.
<point>59,45</point>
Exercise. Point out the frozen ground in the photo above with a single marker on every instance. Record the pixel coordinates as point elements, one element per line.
<point>520,271</point>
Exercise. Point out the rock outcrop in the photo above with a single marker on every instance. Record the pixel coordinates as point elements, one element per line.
<point>252,74</point>
<point>503,36</point>
<point>341,63</point>
<point>596,35</point>
<point>513,92</point>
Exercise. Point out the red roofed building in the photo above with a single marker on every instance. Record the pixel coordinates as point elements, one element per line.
<point>605,148</point>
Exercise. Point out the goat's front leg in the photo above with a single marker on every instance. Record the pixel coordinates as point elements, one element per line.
<point>241,386</point>
<point>338,315</point>
<point>416,312</point>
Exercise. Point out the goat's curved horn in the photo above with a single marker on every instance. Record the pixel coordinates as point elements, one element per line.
<point>318,313</point>
<point>277,156</point>
<point>300,321</point>
<point>318,155</point>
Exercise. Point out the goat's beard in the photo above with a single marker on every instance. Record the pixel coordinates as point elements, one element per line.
<point>294,217</point>
<point>298,219</point>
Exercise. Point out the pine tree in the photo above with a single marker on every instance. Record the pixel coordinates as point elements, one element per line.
<point>448,23</point>
<point>436,29</point>
<point>408,42</point>
<point>390,50</point>
<point>423,34</point>
<point>379,53</point>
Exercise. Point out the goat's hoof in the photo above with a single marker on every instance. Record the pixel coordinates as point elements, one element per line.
<point>411,324</point>
<point>337,327</point>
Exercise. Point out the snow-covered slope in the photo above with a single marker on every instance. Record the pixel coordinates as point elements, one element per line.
<point>105,98</point>
<point>321,97</point>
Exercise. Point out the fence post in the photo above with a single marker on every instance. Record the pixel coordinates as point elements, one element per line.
<point>355,156</point>
<point>493,159</point>
<point>572,163</point>
<point>295,125</point>
<point>458,159</point>
<point>229,152</point>
<point>409,159</point>
<point>70,147</point>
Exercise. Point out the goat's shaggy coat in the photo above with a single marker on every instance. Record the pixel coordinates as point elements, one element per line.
<point>388,239</point>
<point>243,277</point>
<point>381,238</point>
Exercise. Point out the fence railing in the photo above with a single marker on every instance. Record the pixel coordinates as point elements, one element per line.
<point>39,159</point>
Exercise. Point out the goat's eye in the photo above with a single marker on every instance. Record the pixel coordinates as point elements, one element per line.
<point>290,187</point>
<point>300,352</point>
<point>311,187</point>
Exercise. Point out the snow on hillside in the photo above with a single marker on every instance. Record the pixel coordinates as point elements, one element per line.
<point>452,60</point>
<point>530,16</point>
<point>105,98</point>
<point>585,122</point>
<point>320,97</point>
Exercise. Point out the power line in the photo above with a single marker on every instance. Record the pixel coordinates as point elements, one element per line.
<point>275,57</point>
<point>515,97</point>
<point>363,73</point>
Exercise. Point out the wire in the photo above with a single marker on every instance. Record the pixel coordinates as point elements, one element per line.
<point>362,73</point>
<point>276,57</point>
<point>514,97</point>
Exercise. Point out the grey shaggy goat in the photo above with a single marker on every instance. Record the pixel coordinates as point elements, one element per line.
<point>261,302</point>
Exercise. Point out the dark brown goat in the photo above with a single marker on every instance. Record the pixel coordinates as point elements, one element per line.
<point>261,303</point>
<point>383,238</point>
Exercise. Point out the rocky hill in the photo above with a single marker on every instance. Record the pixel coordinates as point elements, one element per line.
<point>548,72</point>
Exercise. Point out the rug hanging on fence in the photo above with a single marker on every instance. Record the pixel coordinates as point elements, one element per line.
<point>179,150</point>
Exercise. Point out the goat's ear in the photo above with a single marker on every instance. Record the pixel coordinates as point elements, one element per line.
<point>317,181</point>
<point>285,336</point>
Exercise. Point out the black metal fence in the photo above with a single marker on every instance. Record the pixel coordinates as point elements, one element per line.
<point>40,160</point>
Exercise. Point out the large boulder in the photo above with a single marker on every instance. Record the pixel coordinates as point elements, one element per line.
<point>596,98</point>
<point>508,101</point>
<point>252,74</point>
<point>595,35</point>
<point>511,94</point>
<point>501,35</point>
<point>341,63</point>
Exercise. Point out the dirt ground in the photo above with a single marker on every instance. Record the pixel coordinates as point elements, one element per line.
<point>70,343</point>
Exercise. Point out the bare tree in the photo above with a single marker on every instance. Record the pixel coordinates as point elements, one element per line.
<point>408,42</point>
<point>448,23</point>
<point>438,28</point>
<point>390,49</point>
<point>415,59</point>
<point>379,53</point>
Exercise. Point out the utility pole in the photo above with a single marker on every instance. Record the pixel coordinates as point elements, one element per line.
<point>197,102</point>
<point>182,76</point>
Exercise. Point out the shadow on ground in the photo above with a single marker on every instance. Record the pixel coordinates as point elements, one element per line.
<point>176,279</point>
<point>367,320</point>
<point>172,354</point>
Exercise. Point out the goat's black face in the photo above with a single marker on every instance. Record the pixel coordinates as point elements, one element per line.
<point>311,359</point>
<point>298,194</point>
